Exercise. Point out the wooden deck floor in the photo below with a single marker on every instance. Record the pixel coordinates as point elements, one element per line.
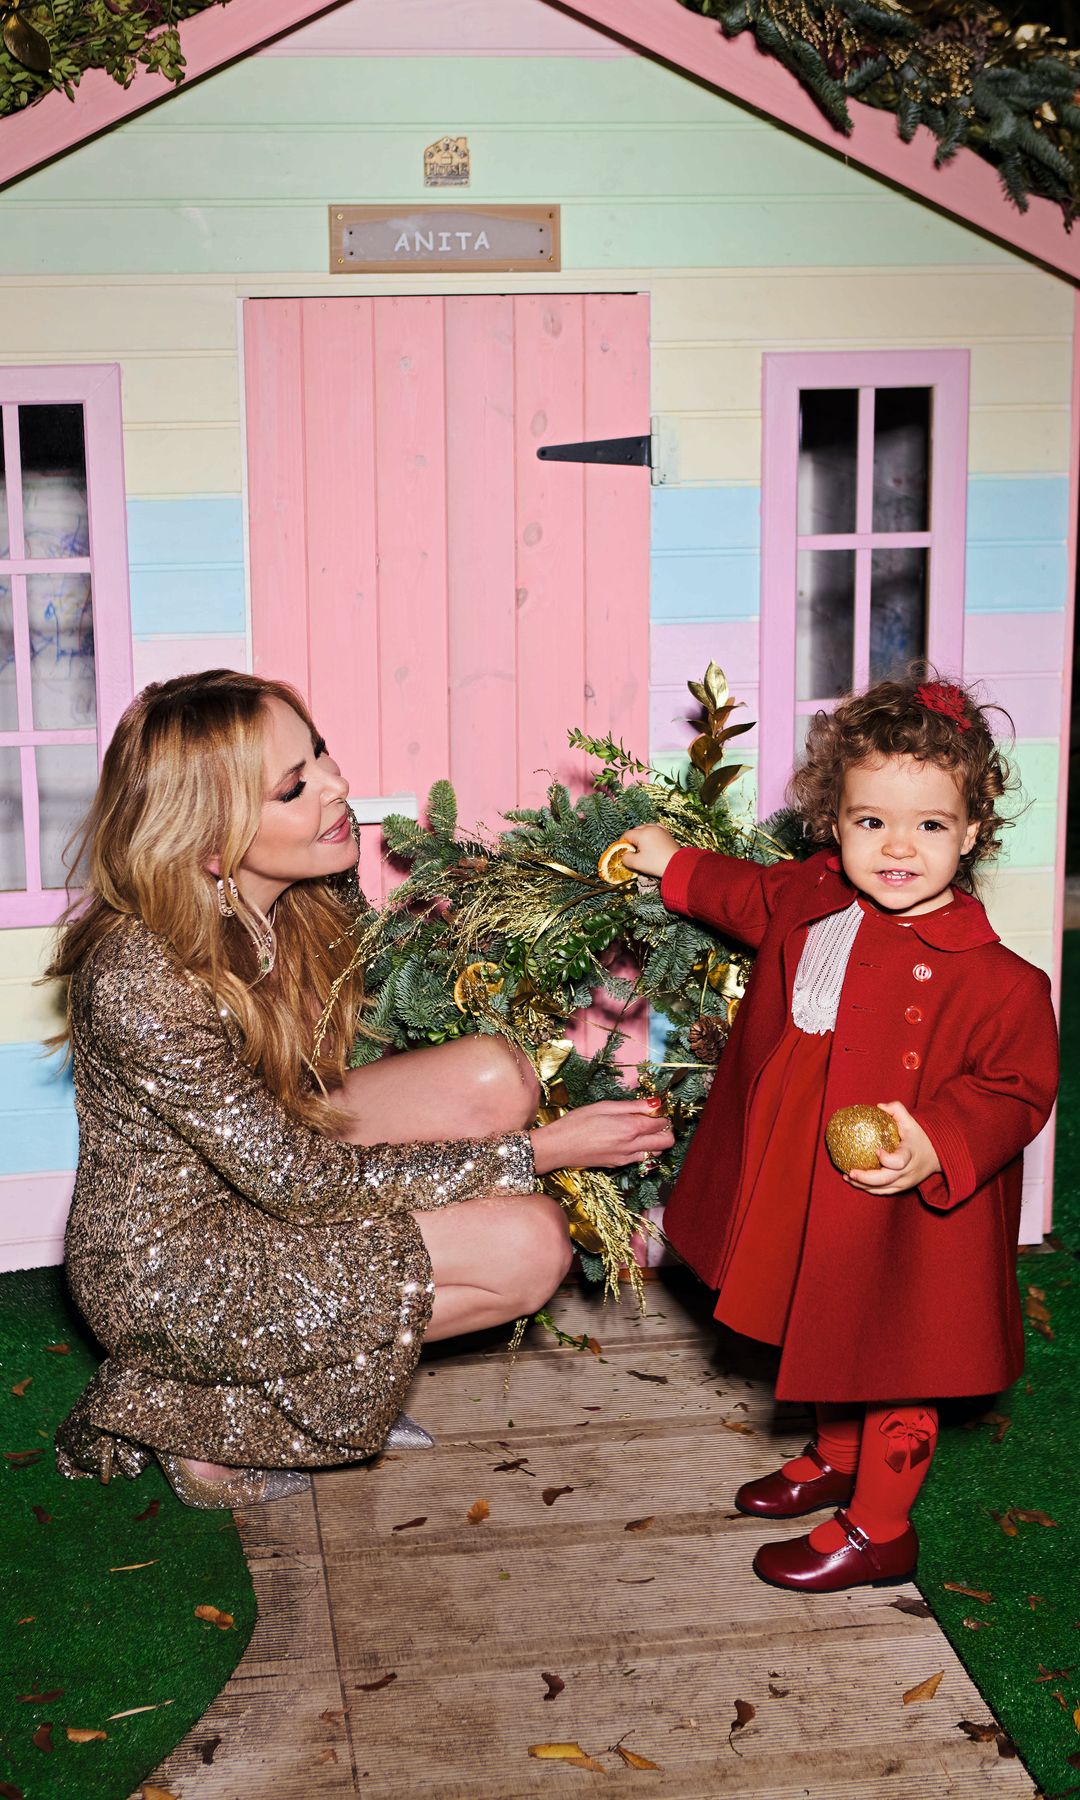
<point>655,1631</point>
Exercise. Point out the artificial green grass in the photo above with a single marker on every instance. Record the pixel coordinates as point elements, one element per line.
<point>1022,1647</point>
<point>89,1637</point>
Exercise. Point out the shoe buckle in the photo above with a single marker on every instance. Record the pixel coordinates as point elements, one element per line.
<point>854,1534</point>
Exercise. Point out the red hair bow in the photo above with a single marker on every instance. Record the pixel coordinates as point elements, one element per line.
<point>941,697</point>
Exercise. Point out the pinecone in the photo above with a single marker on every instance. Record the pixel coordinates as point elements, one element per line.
<point>708,1035</point>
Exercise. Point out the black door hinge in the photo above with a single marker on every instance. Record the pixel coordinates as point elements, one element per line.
<point>630,451</point>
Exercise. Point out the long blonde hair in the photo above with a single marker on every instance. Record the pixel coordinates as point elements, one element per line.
<point>182,785</point>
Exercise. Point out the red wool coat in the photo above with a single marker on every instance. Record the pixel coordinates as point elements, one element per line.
<point>914,1295</point>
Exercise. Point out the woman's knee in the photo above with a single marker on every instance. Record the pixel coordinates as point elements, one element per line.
<point>502,1091</point>
<point>543,1251</point>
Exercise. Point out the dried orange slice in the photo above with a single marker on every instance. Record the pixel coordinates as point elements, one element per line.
<point>477,978</point>
<point>611,867</point>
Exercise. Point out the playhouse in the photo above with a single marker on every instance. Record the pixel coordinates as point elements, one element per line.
<point>280,349</point>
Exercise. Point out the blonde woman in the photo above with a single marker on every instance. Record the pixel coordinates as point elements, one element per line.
<point>261,1241</point>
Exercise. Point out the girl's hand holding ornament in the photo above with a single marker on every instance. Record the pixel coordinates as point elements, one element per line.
<point>649,849</point>
<point>905,1167</point>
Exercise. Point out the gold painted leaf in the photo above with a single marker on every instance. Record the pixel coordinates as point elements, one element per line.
<point>26,45</point>
<point>924,1690</point>
<point>568,1753</point>
<point>704,751</point>
<point>716,685</point>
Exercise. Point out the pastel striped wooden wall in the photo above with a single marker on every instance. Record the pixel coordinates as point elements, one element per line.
<point>138,248</point>
<point>450,603</point>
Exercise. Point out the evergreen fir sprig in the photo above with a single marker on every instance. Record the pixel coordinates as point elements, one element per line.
<point>91,34</point>
<point>968,73</point>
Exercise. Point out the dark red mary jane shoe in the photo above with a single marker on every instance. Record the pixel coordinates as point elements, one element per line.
<point>775,1497</point>
<point>857,1563</point>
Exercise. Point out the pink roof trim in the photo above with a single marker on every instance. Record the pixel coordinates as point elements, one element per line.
<point>220,35</point>
<point>968,188</point>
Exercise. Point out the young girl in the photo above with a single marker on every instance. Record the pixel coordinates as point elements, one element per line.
<point>880,980</point>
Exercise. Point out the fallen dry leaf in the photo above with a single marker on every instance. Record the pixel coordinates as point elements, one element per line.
<point>43,1738</point>
<point>42,1517</point>
<point>643,1375</point>
<point>778,1693</point>
<point>329,1755</point>
<point>550,1495</point>
<point>1031,1516</point>
<point>1056,1694</point>
<point>740,1426</point>
<point>150,1512</point>
<point>1006,1522</point>
<point>976,1624</point>
<point>208,1749</point>
<point>79,1735</point>
<point>154,1706</point>
<point>511,1468</point>
<point>214,1616</point>
<point>8,1791</point>
<point>478,1512</point>
<point>633,1761</point>
<point>126,1568</point>
<point>957,1587</point>
<point>640,1524</point>
<point>1073,1760</point>
<point>40,1699</point>
<point>150,1792</point>
<point>410,1524</point>
<point>23,1459</point>
<point>1035,1600</point>
<point>1076,1718</point>
<point>1046,1674</point>
<point>1037,1293</point>
<point>372,1687</point>
<point>979,1734</point>
<point>744,1712</point>
<point>917,1609</point>
<point>634,1580</point>
<point>20,1387</point>
<point>59,1349</point>
<point>568,1753</point>
<point>924,1690</point>
<point>329,1717</point>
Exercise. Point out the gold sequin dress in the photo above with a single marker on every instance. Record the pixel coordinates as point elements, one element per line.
<point>261,1289</point>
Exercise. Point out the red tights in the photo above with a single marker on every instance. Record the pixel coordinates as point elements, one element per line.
<point>889,1450</point>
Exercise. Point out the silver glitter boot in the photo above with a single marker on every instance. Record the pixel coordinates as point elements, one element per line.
<point>406,1434</point>
<point>248,1487</point>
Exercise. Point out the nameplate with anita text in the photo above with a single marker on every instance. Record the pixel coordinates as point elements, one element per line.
<point>429,240</point>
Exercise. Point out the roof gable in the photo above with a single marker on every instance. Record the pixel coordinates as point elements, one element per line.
<point>967,188</point>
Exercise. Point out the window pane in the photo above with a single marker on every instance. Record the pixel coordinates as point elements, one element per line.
<point>12,860</point>
<point>67,777</point>
<point>62,650</point>
<point>5,539</point>
<point>9,703</point>
<point>828,433</point>
<point>54,480</point>
<point>897,610</point>
<point>824,624</point>
<point>901,459</point>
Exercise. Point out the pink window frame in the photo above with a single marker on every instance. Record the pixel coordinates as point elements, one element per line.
<point>784,377</point>
<point>95,387</point>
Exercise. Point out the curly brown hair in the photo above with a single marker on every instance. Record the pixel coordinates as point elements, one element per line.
<point>925,716</point>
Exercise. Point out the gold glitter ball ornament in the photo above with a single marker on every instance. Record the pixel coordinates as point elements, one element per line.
<point>611,867</point>
<point>855,1135</point>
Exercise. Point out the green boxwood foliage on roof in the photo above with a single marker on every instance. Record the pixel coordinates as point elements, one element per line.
<point>959,67</point>
<point>48,46</point>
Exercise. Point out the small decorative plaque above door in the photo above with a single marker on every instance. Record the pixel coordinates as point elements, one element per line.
<point>429,239</point>
<point>446,163</point>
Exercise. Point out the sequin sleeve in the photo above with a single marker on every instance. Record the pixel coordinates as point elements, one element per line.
<point>156,1033</point>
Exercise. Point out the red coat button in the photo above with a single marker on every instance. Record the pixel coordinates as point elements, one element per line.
<point>911,1059</point>
<point>913,1015</point>
<point>922,972</point>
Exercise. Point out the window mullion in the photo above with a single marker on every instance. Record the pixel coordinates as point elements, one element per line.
<point>861,650</point>
<point>31,825</point>
<point>864,464</point>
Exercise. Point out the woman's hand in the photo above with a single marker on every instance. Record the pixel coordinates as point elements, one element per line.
<point>653,848</point>
<point>606,1135</point>
<point>904,1168</point>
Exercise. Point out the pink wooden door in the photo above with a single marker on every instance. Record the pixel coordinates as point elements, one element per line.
<point>449,603</point>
